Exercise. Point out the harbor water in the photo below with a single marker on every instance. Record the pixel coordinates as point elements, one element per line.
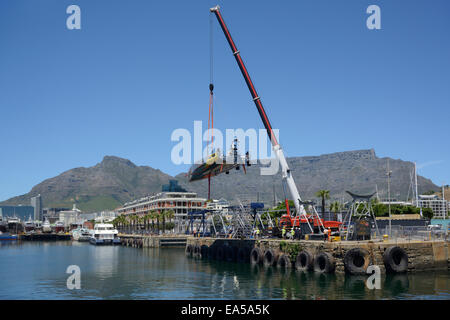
<point>37,270</point>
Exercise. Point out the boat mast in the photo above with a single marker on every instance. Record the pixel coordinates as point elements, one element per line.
<point>417,194</point>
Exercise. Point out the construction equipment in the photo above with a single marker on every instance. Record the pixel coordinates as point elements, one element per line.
<point>301,216</point>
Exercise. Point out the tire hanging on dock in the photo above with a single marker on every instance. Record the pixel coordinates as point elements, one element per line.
<point>284,262</point>
<point>395,260</point>
<point>197,251</point>
<point>356,261</point>
<point>189,250</point>
<point>256,256</point>
<point>324,263</point>
<point>270,258</point>
<point>304,261</point>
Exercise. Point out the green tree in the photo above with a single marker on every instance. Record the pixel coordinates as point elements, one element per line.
<point>170,215</point>
<point>324,194</point>
<point>335,207</point>
<point>280,209</point>
<point>427,213</point>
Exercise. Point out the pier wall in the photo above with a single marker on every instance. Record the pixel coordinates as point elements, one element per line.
<point>422,255</point>
<point>153,241</point>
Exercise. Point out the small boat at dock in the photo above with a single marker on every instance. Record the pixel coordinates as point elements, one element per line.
<point>104,233</point>
<point>8,236</point>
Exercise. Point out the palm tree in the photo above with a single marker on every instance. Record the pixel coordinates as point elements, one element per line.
<point>170,215</point>
<point>335,207</point>
<point>158,217</point>
<point>324,194</point>
<point>146,220</point>
<point>153,217</point>
<point>164,216</point>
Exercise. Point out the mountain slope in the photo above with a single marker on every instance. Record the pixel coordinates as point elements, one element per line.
<point>104,186</point>
<point>357,171</point>
<point>114,181</point>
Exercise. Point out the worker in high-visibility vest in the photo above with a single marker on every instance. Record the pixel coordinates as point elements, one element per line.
<point>283,232</point>
<point>257,232</point>
<point>292,233</point>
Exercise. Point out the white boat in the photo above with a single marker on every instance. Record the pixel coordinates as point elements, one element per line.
<point>46,227</point>
<point>59,227</point>
<point>14,224</point>
<point>29,224</point>
<point>104,233</point>
<point>81,234</point>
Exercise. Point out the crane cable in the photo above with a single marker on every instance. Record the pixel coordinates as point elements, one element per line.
<point>211,85</point>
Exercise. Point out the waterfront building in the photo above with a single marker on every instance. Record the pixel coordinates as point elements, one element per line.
<point>20,211</point>
<point>221,205</point>
<point>439,206</point>
<point>105,216</point>
<point>36,202</point>
<point>52,214</point>
<point>180,202</point>
<point>70,217</point>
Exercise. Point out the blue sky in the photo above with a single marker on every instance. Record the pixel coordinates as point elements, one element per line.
<point>139,69</point>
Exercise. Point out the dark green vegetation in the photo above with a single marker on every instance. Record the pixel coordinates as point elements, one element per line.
<point>115,181</point>
<point>382,210</point>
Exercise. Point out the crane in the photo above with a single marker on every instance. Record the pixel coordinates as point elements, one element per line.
<point>285,171</point>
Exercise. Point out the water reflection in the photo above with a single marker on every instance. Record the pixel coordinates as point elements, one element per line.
<point>37,271</point>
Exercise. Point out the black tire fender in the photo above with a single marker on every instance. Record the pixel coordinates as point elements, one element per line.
<point>356,261</point>
<point>189,250</point>
<point>197,251</point>
<point>256,256</point>
<point>284,262</point>
<point>270,257</point>
<point>304,261</point>
<point>395,260</point>
<point>324,263</point>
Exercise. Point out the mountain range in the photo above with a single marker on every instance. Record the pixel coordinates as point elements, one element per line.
<point>114,181</point>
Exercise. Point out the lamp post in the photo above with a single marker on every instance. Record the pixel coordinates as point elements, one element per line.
<point>388,173</point>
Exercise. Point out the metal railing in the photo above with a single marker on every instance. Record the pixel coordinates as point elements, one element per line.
<point>410,233</point>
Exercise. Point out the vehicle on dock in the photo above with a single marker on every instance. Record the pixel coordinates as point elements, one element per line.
<point>81,234</point>
<point>104,233</point>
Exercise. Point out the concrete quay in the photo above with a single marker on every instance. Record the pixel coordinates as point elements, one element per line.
<point>343,256</point>
<point>153,241</point>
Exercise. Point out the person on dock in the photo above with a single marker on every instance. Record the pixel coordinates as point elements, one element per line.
<point>283,232</point>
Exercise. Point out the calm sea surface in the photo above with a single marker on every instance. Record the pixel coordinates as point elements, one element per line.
<point>37,270</point>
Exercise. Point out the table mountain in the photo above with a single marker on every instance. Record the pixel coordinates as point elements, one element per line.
<point>104,186</point>
<point>115,181</point>
<point>361,172</point>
